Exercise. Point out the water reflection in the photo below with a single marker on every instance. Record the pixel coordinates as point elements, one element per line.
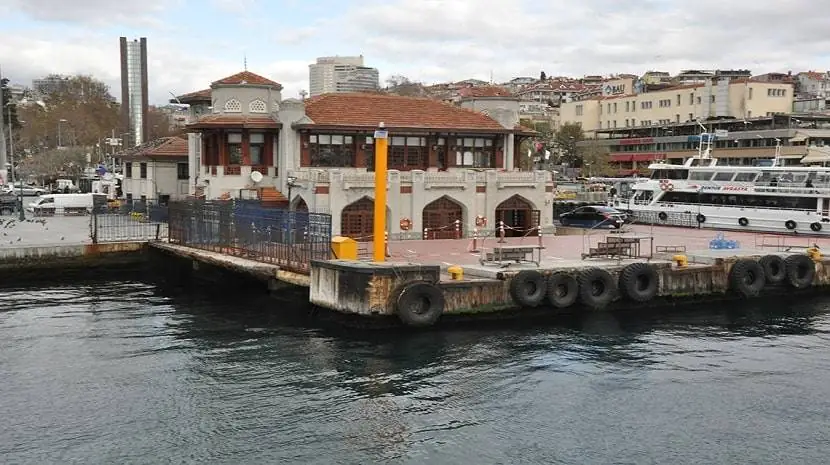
<point>126,372</point>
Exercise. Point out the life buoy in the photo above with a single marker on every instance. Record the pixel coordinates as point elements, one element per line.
<point>775,270</point>
<point>663,216</point>
<point>701,218</point>
<point>596,288</point>
<point>747,278</point>
<point>743,221</point>
<point>528,288</point>
<point>639,282</point>
<point>666,185</point>
<point>406,224</point>
<point>481,221</point>
<point>800,271</point>
<point>816,227</point>
<point>790,224</point>
<point>420,304</point>
<point>563,290</point>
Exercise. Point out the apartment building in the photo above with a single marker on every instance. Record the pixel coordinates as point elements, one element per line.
<point>716,98</point>
<point>341,74</point>
<point>812,84</point>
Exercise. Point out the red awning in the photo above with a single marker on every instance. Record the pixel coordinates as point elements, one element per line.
<point>647,157</point>
<point>621,157</point>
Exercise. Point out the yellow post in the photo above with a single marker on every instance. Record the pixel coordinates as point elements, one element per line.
<point>379,231</point>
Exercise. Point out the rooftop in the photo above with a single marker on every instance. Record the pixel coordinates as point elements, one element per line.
<point>246,77</point>
<point>365,111</point>
<point>162,148</point>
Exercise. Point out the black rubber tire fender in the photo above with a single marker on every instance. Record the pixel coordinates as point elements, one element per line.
<point>801,271</point>
<point>743,221</point>
<point>596,288</point>
<point>790,224</point>
<point>775,270</point>
<point>420,304</point>
<point>746,278</point>
<point>562,289</point>
<point>701,218</point>
<point>663,216</point>
<point>528,288</point>
<point>639,282</point>
<point>815,227</point>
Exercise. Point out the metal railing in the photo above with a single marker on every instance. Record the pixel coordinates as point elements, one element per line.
<point>289,239</point>
<point>128,221</point>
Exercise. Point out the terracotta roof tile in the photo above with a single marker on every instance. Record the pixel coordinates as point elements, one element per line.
<point>198,96</point>
<point>163,147</point>
<point>361,110</point>
<point>246,77</point>
<point>218,120</point>
<point>484,91</point>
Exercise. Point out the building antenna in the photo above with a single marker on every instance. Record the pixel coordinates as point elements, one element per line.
<point>245,61</point>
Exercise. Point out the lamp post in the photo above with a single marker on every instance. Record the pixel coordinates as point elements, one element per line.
<point>292,182</point>
<point>60,144</point>
<point>21,213</point>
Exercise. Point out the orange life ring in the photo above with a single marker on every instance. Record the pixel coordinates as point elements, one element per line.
<point>406,224</point>
<point>481,221</point>
<point>666,185</point>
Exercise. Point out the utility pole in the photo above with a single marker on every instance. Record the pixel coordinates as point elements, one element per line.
<point>3,160</point>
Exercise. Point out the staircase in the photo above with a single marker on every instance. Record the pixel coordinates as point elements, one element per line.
<point>271,197</point>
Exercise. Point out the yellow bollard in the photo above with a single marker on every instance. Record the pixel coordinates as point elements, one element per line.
<point>814,253</point>
<point>456,273</point>
<point>681,260</point>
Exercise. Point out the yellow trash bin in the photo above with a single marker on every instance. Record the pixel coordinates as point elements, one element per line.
<point>344,248</point>
<point>456,273</point>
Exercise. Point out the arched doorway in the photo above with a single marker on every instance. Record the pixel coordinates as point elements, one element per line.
<point>518,216</point>
<point>439,218</point>
<point>300,205</point>
<point>357,220</point>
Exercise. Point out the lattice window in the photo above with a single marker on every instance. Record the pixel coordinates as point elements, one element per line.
<point>257,106</point>
<point>233,106</point>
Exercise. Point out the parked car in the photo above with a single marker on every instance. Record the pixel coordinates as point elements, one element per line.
<point>593,216</point>
<point>28,191</point>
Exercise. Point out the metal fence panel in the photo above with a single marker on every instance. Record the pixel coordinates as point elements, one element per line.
<point>132,221</point>
<point>290,239</point>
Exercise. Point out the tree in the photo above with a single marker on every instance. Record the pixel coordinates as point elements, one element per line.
<point>566,139</point>
<point>543,76</point>
<point>401,85</point>
<point>52,164</point>
<point>160,124</point>
<point>81,110</point>
<point>596,158</point>
<point>10,110</point>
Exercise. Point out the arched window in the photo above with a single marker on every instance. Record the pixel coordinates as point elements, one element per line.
<point>257,106</point>
<point>233,106</point>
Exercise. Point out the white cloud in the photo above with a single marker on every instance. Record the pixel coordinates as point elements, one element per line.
<point>91,11</point>
<point>433,41</point>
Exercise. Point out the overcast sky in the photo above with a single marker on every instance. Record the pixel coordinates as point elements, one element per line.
<point>191,43</point>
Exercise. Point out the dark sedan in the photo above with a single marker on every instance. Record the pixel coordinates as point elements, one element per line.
<point>593,216</point>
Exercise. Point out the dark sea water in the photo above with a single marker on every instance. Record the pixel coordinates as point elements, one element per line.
<point>128,373</point>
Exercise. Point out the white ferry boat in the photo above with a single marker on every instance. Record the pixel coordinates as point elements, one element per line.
<point>701,193</point>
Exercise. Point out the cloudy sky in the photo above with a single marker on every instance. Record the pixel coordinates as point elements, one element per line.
<point>193,42</point>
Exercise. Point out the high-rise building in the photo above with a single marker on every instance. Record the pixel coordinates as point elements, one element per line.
<point>134,99</point>
<point>341,74</point>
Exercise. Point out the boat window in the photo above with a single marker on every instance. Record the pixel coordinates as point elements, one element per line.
<point>657,174</point>
<point>723,176</point>
<point>701,175</point>
<point>752,201</point>
<point>745,177</point>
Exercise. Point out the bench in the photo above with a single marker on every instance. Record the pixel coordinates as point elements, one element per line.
<point>670,249</point>
<point>610,250</point>
<point>514,253</point>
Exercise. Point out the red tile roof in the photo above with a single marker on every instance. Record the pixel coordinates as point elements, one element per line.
<point>198,96</point>
<point>218,120</point>
<point>246,77</point>
<point>365,111</point>
<point>484,91</point>
<point>174,147</point>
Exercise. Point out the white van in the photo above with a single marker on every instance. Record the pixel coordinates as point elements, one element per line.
<point>67,204</point>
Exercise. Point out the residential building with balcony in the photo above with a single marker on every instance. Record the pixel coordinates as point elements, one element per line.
<point>742,142</point>
<point>716,98</point>
<point>446,162</point>
<point>156,170</point>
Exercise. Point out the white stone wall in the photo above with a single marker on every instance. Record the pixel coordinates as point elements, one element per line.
<point>162,179</point>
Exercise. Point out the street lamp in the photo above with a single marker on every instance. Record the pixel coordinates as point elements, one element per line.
<point>59,131</point>
<point>292,182</point>
<point>11,160</point>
